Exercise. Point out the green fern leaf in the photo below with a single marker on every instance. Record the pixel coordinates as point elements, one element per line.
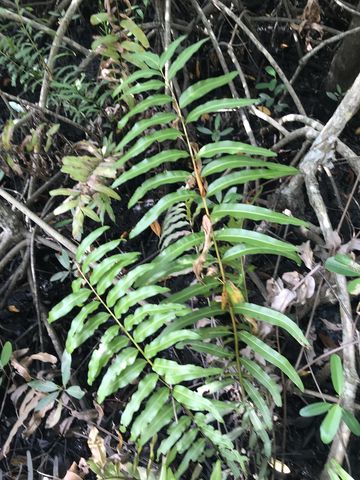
<point>64,307</point>
<point>181,266</point>
<point>193,317</point>
<point>131,26</point>
<point>142,125</point>
<point>78,336</point>
<point>150,163</point>
<point>174,433</point>
<point>164,417</point>
<point>192,455</point>
<point>216,471</point>
<point>218,439</point>
<point>109,382</point>
<point>164,204</point>
<point>122,286</point>
<point>116,381</point>
<point>263,378</point>
<point>99,187</point>
<point>184,57</point>
<point>260,431</point>
<point>150,59</point>
<point>64,191</point>
<point>207,333</point>
<point>232,162</point>
<point>207,349</point>
<point>259,402</point>
<point>272,317</point>
<point>152,101</point>
<point>195,402</point>
<point>232,254</point>
<point>110,344</point>
<point>97,254</point>
<point>248,237</point>
<point>199,89</point>
<point>272,356</point>
<point>252,212</point>
<point>151,310</point>
<point>209,285</point>
<point>66,206</point>
<point>152,409</point>
<point>145,87</point>
<point>152,325</point>
<point>167,340</point>
<point>137,296</point>
<point>186,441</point>
<point>145,142</point>
<point>239,178</point>
<point>78,321</point>
<point>220,105</point>
<point>175,373</point>
<point>88,241</point>
<point>145,387</point>
<point>138,75</point>
<point>90,214</point>
<point>165,178</point>
<point>171,49</point>
<point>105,273</point>
<point>228,146</point>
<point>176,249</point>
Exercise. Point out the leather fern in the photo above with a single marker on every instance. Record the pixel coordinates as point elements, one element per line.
<point>142,321</point>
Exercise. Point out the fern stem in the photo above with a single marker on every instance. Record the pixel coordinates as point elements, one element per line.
<point>216,247</point>
<point>113,316</point>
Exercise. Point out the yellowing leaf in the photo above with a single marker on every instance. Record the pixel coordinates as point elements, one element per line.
<point>279,466</point>
<point>264,109</point>
<point>13,309</point>
<point>156,228</point>
<point>234,293</point>
<point>96,445</point>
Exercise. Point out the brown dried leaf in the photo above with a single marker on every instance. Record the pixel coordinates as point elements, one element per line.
<point>156,228</point>
<point>96,445</point>
<point>76,472</point>
<point>13,309</point>
<point>86,415</point>
<point>17,393</point>
<point>199,263</point>
<point>65,425</point>
<point>35,419</point>
<point>28,405</point>
<point>44,357</point>
<point>21,370</point>
<point>54,416</point>
<point>306,254</point>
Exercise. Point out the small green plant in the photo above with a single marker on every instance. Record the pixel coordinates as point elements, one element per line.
<point>334,412</point>
<point>216,133</point>
<point>337,95</point>
<point>345,265</point>
<point>53,390</point>
<point>70,268</point>
<point>275,89</point>
<point>336,472</point>
<point>5,357</point>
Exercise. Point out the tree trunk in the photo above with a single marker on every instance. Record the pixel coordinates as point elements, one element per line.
<point>10,227</point>
<point>345,65</point>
